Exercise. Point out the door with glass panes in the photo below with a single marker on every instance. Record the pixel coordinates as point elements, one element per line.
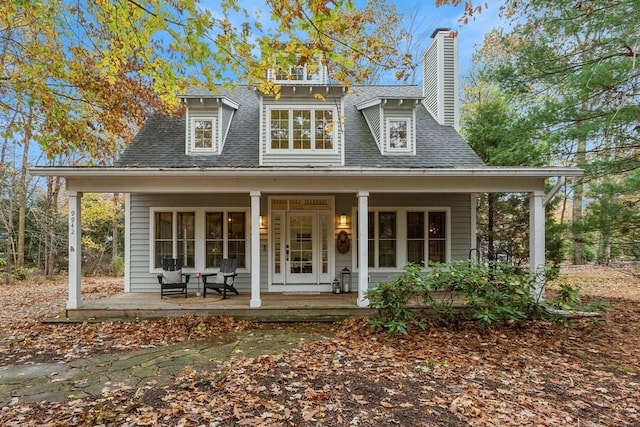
<point>300,248</point>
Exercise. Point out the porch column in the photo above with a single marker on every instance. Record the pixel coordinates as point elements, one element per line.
<point>363,248</point>
<point>255,301</point>
<point>536,242</point>
<point>75,250</point>
<point>474,222</point>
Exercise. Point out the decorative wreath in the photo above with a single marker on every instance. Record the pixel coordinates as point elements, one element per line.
<point>343,243</point>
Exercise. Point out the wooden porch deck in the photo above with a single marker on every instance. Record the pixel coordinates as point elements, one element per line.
<point>276,307</point>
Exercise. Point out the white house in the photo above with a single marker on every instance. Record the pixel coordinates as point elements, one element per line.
<point>297,189</point>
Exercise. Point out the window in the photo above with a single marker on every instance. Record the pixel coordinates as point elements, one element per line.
<point>301,129</point>
<point>398,135</point>
<point>435,243</point>
<point>203,134</point>
<point>200,238</point>
<point>309,73</point>
<point>174,237</point>
<point>437,236</point>
<point>406,235</point>
<point>382,232</point>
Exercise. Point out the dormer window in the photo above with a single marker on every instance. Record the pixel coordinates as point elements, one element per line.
<point>392,121</point>
<point>310,73</point>
<point>204,134</point>
<point>301,129</point>
<point>398,136</point>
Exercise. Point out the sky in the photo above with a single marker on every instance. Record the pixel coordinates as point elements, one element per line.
<point>428,17</point>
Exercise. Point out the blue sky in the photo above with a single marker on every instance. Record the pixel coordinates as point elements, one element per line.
<point>428,16</point>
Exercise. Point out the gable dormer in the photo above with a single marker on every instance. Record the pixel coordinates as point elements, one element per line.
<point>208,119</point>
<point>392,122</point>
<point>302,126</point>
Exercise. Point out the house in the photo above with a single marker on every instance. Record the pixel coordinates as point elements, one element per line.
<point>299,188</point>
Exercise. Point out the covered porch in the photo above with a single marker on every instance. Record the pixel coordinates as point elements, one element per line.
<point>256,186</point>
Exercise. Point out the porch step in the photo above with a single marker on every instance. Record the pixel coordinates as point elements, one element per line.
<point>260,315</point>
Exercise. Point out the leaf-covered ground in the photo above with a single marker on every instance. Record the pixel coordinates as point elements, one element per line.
<point>536,374</point>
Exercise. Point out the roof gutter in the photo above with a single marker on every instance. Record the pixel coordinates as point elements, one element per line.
<point>496,172</point>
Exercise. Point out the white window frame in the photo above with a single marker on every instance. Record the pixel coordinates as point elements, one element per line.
<point>410,139</point>
<point>200,241</point>
<point>312,110</point>
<point>317,76</point>
<point>401,235</point>
<point>215,133</point>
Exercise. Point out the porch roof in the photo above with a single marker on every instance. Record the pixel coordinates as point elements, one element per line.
<point>336,179</point>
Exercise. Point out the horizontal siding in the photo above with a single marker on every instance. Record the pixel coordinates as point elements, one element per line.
<point>142,280</point>
<point>301,158</point>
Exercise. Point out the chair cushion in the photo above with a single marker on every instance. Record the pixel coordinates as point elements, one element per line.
<point>172,276</point>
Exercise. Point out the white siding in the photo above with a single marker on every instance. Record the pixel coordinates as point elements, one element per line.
<point>302,158</point>
<point>439,82</point>
<point>143,280</point>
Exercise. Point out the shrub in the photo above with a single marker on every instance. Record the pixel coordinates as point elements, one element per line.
<point>493,293</point>
<point>117,266</point>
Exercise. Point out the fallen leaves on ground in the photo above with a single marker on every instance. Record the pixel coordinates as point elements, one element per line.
<point>533,374</point>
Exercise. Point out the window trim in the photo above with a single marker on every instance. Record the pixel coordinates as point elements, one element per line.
<point>200,238</point>
<point>305,74</point>
<point>401,235</point>
<point>410,136</point>
<point>312,110</point>
<point>215,133</point>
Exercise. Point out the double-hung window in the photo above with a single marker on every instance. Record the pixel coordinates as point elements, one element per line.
<point>174,237</point>
<point>383,239</point>
<point>225,234</point>
<point>426,237</point>
<point>200,237</point>
<point>295,129</point>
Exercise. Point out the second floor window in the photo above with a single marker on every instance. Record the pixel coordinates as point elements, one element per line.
<point>398,134</point>
<point>301,129</point>
<point>203,134</point>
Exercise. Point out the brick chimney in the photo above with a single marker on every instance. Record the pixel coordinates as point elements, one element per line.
<point>439,77</point>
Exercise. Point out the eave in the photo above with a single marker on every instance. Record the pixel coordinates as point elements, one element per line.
<point>305,180</point>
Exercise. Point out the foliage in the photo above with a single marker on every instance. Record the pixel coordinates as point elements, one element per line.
<point>117,266</point>
<point>491,293</point>
<point>572,67</point>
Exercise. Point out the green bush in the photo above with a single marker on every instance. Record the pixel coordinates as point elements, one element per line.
<point>117,266</point>
<point>491,294</point>
<point>19,274</point>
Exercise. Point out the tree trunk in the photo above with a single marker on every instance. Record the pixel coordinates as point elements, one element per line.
<point>578,196</point>
<point>22,190</point>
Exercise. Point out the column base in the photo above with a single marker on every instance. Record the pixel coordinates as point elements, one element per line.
<point>255,303</point>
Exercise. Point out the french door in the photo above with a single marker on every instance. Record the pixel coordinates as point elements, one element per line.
<point>300,248</point>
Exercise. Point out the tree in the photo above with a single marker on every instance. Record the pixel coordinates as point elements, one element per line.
<point>501,137</point>
<point>575,64</point>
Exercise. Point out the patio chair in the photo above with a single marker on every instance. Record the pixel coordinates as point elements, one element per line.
<point>224,279</point>
<point>172,280</point>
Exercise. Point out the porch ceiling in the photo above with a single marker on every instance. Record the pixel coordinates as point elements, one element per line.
<point>305,180</point>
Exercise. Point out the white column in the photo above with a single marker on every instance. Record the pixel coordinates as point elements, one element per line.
<point>127,242</point>
<point>536,242</point>
<point>363,248</point>
<point>255,302</point>
<point>75,250</point>
<point>474,221</point>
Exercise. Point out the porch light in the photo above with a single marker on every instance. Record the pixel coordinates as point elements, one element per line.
<point>261,221</point>
<point>342,223</point>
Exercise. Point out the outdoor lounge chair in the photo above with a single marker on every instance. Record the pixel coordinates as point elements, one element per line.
<point>224,279</point>
<point>172,280</point>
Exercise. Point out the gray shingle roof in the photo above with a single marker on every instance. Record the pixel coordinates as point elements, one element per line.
<point>161,142</point>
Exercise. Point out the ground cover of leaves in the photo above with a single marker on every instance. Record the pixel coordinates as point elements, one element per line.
<point>534,374</point>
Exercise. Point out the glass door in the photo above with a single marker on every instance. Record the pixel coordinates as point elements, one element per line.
<point>300,250</point>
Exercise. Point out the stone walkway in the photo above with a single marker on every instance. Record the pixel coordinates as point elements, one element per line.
<point>56,382</point>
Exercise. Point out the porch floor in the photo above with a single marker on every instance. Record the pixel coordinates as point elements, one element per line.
<point>276,307</point>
